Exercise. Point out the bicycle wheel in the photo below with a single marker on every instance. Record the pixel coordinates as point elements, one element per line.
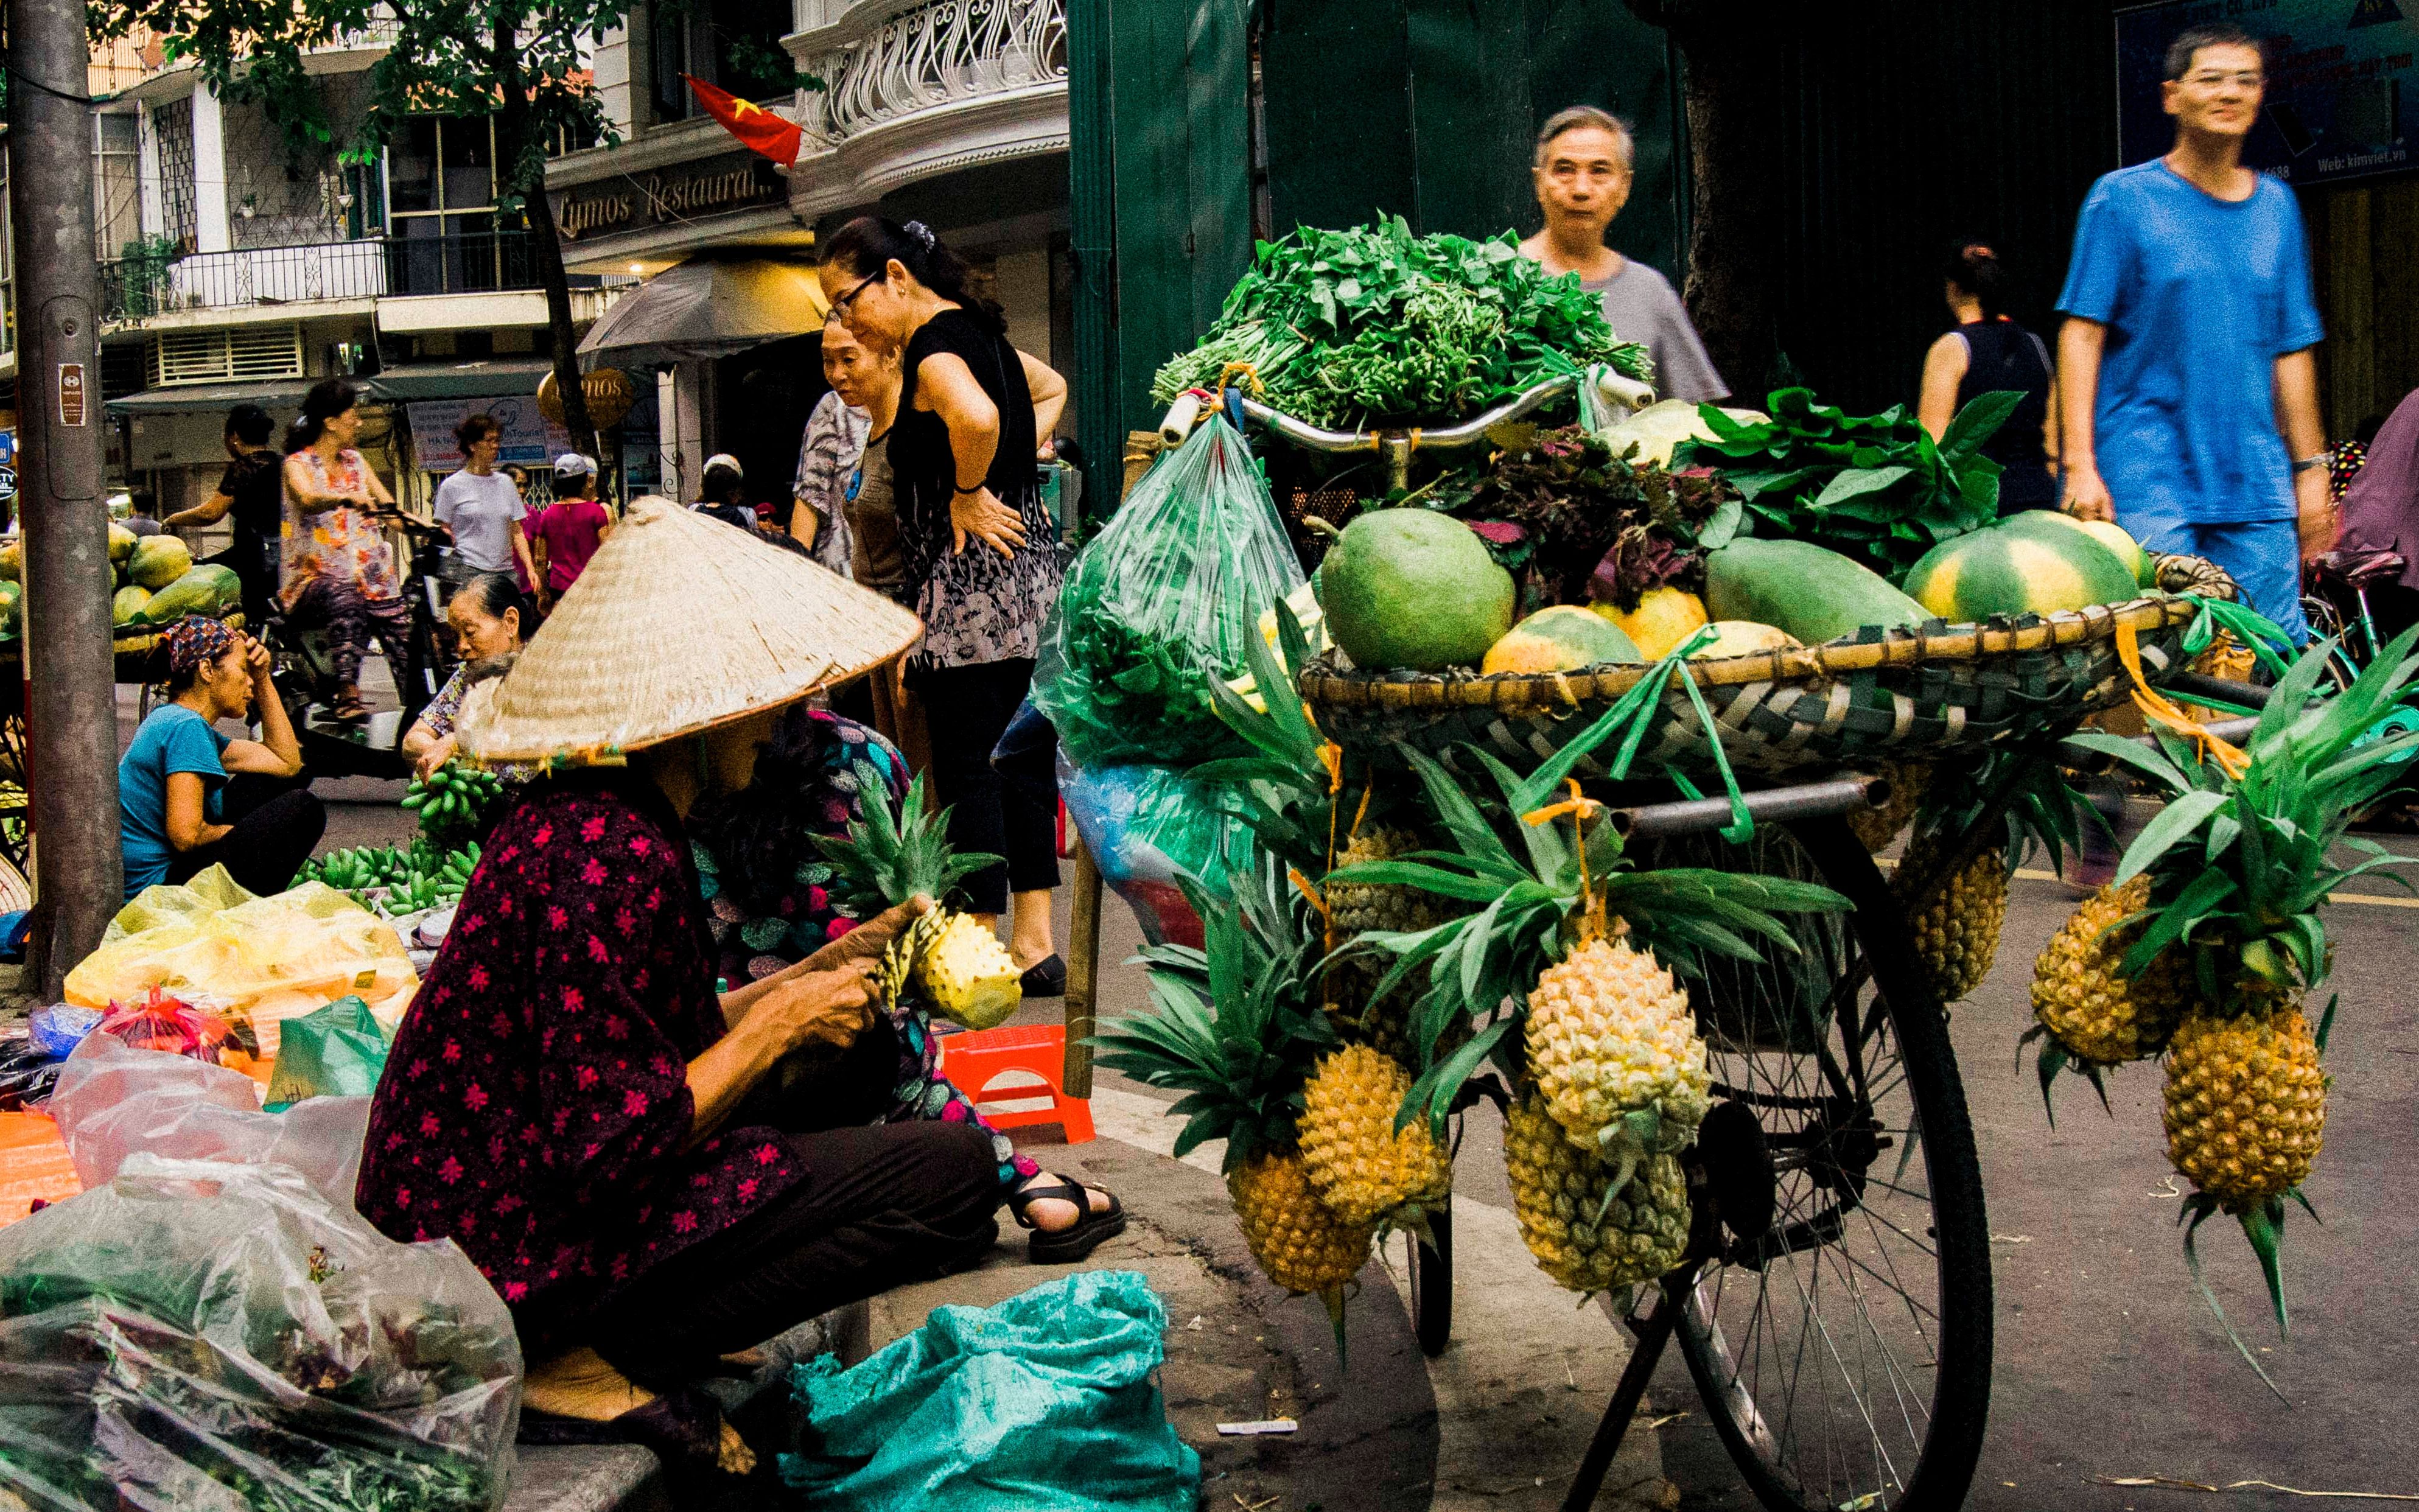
<point>1844,1348</point>
<point>1431,1276</point>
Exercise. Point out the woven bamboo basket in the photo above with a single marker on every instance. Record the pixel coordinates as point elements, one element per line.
<point>1894,695</point>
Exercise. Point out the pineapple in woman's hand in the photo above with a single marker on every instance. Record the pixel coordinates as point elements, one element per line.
<point>947,955</point>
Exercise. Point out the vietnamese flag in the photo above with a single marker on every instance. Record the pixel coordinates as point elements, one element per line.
<point>775,136</point>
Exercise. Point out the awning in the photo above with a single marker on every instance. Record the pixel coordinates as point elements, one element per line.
<point>457,381</point>
<point>196,398</point>
<point>709,306</point>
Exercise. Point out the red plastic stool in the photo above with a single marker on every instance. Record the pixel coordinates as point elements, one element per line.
<point>974,1061</point>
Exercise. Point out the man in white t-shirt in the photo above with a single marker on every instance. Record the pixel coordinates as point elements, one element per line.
<point>480,507</point>
<point>1582,177</point>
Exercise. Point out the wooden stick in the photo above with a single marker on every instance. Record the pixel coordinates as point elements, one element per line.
<point>1082,973</point>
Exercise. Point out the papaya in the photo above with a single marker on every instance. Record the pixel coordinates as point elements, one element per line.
<point>157,560</point>
<point>195,592</point>
<point>12,610</point>
<point>12,559</point>
<point>2019,567</point>
<point>1742,637</point>
<point>229,586</point>
<point>1411,588</point>
<point>127,606</point>
<point>1810,593</point>
<point>121,542</point>
<point>1562,639</point>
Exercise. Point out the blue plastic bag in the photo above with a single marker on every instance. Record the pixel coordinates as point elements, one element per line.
<point>1048,1401</point>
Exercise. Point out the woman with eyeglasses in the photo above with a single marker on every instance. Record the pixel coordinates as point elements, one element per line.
<point>974,539</point>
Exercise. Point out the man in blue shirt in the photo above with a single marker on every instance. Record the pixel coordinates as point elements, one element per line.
<point>2190,392</point>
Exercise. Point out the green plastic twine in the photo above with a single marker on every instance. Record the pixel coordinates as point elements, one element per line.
<point>1633,715</point>
<point>2246,625</point>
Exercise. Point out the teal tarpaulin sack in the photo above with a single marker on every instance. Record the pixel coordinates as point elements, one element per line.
<point>1049,1400</point>
<point>335,1051</point>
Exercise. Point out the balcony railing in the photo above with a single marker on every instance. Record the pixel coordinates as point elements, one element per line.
<point>136,288</point>
<point>938,54</point>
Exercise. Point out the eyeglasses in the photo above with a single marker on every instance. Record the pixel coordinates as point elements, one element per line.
<point>839,306</point>
<point>2240,81</point>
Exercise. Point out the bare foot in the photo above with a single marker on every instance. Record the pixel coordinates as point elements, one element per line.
<point>735,1458</point>
<point>1052,1215</point>
<point>578,1384</point>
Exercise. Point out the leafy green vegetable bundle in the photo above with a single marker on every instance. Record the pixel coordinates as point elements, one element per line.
<point>1874,489</point>
<point>1374,324</point>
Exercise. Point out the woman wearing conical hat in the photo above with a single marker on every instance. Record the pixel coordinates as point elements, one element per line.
<point>570,1100</point>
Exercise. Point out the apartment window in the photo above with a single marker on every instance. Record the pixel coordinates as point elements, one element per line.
<point>441,207</point>
<point>733,43</point>
<point>172,135</point>
<point>116,182</point>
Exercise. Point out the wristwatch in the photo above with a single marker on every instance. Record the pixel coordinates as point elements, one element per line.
<point>2306,463</point>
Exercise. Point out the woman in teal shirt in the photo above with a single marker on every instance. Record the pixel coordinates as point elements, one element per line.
<point>189,797</point>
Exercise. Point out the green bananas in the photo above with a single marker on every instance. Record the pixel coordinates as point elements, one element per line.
<point>452,798</point>
<point>399,879</point>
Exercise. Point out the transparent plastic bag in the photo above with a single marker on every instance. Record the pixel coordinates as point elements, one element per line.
<point>1162,599</point>
<point>200,1338</point>
<point>262,960</point>
<point>1049,1403</point>
<point>115,1101</point>
<point>1142,824</point>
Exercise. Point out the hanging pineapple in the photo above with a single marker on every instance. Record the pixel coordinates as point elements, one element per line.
<point>950,956</point>
<point>1364,1169</point>
<point>1955,919</point>
<point>2092,1016</point>
<point>1356,909</point>
<point>1609,1061</point>
<point>1237,1028</point>
<point>2237,868</point>
<point>1876,827</point>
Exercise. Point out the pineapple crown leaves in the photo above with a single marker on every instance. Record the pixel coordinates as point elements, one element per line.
<point>883,862</point>
<point>2026,789</point>
<point>2241,866</point>
<point>2263,1225</point>
<point>1280,791</point>
<point>1236,1026</point>
<point>2054,1057</point>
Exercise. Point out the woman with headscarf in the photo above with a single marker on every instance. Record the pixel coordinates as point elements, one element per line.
<point>612,1142</point>
<point>189,797</point>
<point>2380,513</point>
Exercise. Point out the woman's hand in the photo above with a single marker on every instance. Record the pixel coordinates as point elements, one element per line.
<point>819,1008</point>
<point>982,515</point>
<point>860,946</point>
<point>434,756</point>
<point>2086,497</point>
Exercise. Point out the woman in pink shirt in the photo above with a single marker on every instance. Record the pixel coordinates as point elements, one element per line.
<point>572,527</point>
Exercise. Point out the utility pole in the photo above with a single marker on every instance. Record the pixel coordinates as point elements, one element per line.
<point>71,700</point>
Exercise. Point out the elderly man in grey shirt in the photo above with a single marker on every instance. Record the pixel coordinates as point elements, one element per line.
<point>1583,177</point>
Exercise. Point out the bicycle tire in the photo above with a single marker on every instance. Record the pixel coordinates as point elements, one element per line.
<point>1431,1283</point>
<point>1952,1432</point>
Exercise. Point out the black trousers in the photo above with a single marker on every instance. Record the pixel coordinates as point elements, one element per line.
<point>274,824</point>
<point>1011,811</point>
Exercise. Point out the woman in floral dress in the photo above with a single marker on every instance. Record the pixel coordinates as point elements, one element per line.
<point>337,570</point>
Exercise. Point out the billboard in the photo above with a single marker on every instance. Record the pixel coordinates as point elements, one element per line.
<point>528,437</point>
<point>2342,83</point>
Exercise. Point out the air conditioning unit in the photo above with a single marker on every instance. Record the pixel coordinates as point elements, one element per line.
<point>225,355</point>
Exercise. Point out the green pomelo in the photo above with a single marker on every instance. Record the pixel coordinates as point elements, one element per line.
<point>127,605</point>
<point>1812,594</point>
<point>2012,568</point>
<point>157,560</point>
<point>2138,561</point>
<point>1415,589</point>
<point>1560,639</point>
<point>195,592</point>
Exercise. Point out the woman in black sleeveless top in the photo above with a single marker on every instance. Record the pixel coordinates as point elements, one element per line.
<point>1989,352</point>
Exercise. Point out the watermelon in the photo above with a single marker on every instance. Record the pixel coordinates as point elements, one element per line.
<point>1560,639</point>
<point>195,592</point>
<point>2144,567</point>
<point>127,606</point>
<point>2019,567</point>
<point>157,560</point>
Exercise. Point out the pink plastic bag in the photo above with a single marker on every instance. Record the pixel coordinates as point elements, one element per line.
<point>113,1099</point>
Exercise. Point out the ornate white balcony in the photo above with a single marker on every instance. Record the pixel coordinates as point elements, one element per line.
<point>919,89</point>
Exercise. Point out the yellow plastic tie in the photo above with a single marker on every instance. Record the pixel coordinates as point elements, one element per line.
<point>1579,808</point>
<point>1301,884</point>
<point>2156,708</point>
<point>1250,375</point>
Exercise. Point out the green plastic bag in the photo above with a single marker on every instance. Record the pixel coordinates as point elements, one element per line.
<point>1048,1402</point>
<point>335,1051</point>
<point>1165,598</point>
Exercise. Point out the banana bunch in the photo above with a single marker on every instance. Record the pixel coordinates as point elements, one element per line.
<point>453,797</point>
<point>400,879</point>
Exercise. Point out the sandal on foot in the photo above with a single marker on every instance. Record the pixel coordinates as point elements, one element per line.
<point>1046,978</point>
<point>354,712</point>
<point>1078,1239</point>
<point>683,1428</point>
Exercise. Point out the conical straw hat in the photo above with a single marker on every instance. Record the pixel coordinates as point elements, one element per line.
<point>679,623</point>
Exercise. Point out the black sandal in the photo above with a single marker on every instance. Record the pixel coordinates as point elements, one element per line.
<point>1078,1239</point>
<point>683,1428</point>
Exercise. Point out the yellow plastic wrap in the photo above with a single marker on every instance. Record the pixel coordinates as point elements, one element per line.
<point>261,959</point>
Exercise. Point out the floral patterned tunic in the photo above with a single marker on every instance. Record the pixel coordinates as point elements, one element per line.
<point>801,920</point>
<point>342,543</point>
<point>535,1103</point>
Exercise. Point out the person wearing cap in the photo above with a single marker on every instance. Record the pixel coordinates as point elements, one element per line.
<point>722,492</point>
<point>188,798</point>
<point>609,1138</point>
<point>572,527</point>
